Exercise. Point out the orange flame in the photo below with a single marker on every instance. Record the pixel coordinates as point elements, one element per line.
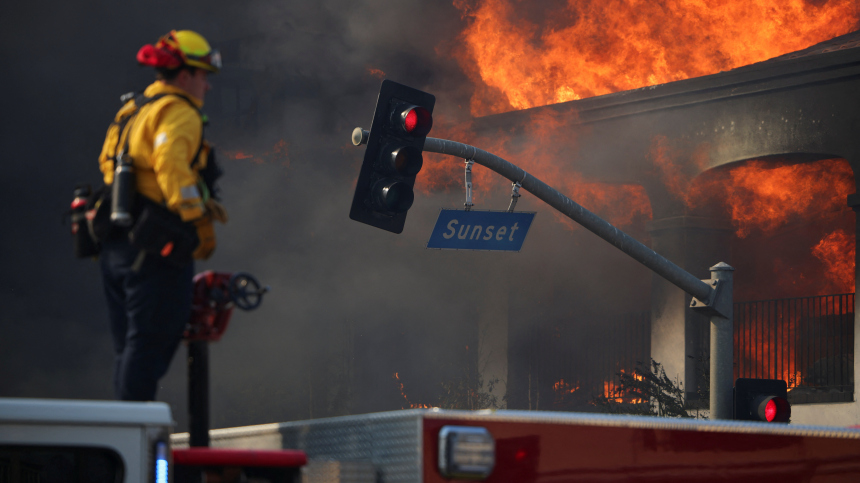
<point>756,344</point>
<point>562,387</point>
<point>409,404</point>
<point>759,195</point>
<point>521,55</point>
<point>837,251</point>
<point>771,198</point>
<point>765,197</point>
<point>614,392</point>
<point>376,73</point>
<point>565,397</point>
<point>278,154</point>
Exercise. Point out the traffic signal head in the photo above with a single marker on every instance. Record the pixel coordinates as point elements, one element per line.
<point>383,193</point>
<point>762,400</point>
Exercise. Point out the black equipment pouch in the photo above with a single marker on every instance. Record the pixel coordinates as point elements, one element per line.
<point>83,244</point>
<point>90,216</point>
<point>161,232</point>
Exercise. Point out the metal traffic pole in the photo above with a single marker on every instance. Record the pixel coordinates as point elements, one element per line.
<point>722,345</point>
<point>712,297</point>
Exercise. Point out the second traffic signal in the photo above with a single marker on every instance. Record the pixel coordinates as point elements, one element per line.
<point>401,122</point>
<point>762,400</point>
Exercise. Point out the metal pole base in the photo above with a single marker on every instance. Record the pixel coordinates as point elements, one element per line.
<point>198,393</point>
<point>722,345</point>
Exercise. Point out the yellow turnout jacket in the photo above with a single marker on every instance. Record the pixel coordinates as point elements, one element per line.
<point>163,137</point>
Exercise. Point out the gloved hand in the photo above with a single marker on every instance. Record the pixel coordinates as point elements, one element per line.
<point>206,235</point>
<point>216,210</point>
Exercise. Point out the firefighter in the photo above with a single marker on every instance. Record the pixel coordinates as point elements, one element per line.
<point>159,133</point>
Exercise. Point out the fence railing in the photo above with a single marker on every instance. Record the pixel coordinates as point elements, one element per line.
<point>569,366</point>
<point>807,341</point>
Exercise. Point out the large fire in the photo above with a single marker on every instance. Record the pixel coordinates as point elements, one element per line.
<point>764,197</point>
<point>797,210</point>
<point>522,54</point>
<point>798,213</point>
<point>837,251</point>
<point>784,205</point>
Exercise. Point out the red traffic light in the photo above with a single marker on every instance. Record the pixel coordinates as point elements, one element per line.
<point>410,120</point>
<point>770,411</point>
<point>416,120</point>
<point>763,400</point>
<point>395,141</point>
<point>773,409</point>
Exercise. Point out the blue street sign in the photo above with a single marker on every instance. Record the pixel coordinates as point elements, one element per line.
<point>481,230</point>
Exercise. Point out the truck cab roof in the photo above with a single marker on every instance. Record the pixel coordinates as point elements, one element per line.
<point>65,411</point>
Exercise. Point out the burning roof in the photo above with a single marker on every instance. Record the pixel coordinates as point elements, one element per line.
<point>843,42</point>
<point>527,55</point>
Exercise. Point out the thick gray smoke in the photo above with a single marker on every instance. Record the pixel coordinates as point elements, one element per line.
<point>350,305</point>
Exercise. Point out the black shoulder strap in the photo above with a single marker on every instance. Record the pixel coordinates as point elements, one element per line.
<point>121,126</point>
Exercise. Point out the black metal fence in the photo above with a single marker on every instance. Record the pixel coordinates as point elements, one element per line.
<point>570,365</point>
<point>808,342</point>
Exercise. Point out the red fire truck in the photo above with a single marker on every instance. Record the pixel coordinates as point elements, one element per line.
<point>110,442</point>
<point>434,446</point>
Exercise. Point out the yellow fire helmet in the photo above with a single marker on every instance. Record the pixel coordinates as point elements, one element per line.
<point>180,47</point>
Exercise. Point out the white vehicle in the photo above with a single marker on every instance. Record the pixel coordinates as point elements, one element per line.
<point>54,440</point>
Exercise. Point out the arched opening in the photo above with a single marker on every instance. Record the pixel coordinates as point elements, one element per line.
<point>793,248</point>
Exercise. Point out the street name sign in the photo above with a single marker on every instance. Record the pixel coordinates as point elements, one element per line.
<point>481,230</point>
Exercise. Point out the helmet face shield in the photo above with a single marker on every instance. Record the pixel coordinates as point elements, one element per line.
<point>210,61</point>
<point>216,59</point>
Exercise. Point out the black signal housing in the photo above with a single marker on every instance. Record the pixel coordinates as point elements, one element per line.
<point>393,158</point>
<point>763,400</point>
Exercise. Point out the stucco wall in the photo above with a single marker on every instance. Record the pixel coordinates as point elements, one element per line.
<point>834,414</point>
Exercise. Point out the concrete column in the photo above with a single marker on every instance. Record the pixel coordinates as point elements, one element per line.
<point>679,336</point>
<point>854,203</point>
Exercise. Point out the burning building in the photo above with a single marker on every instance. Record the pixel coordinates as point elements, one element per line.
<point>753,166</point>
<point>732,141</point>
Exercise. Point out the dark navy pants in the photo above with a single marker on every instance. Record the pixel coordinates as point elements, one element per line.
<point>148,310</point>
